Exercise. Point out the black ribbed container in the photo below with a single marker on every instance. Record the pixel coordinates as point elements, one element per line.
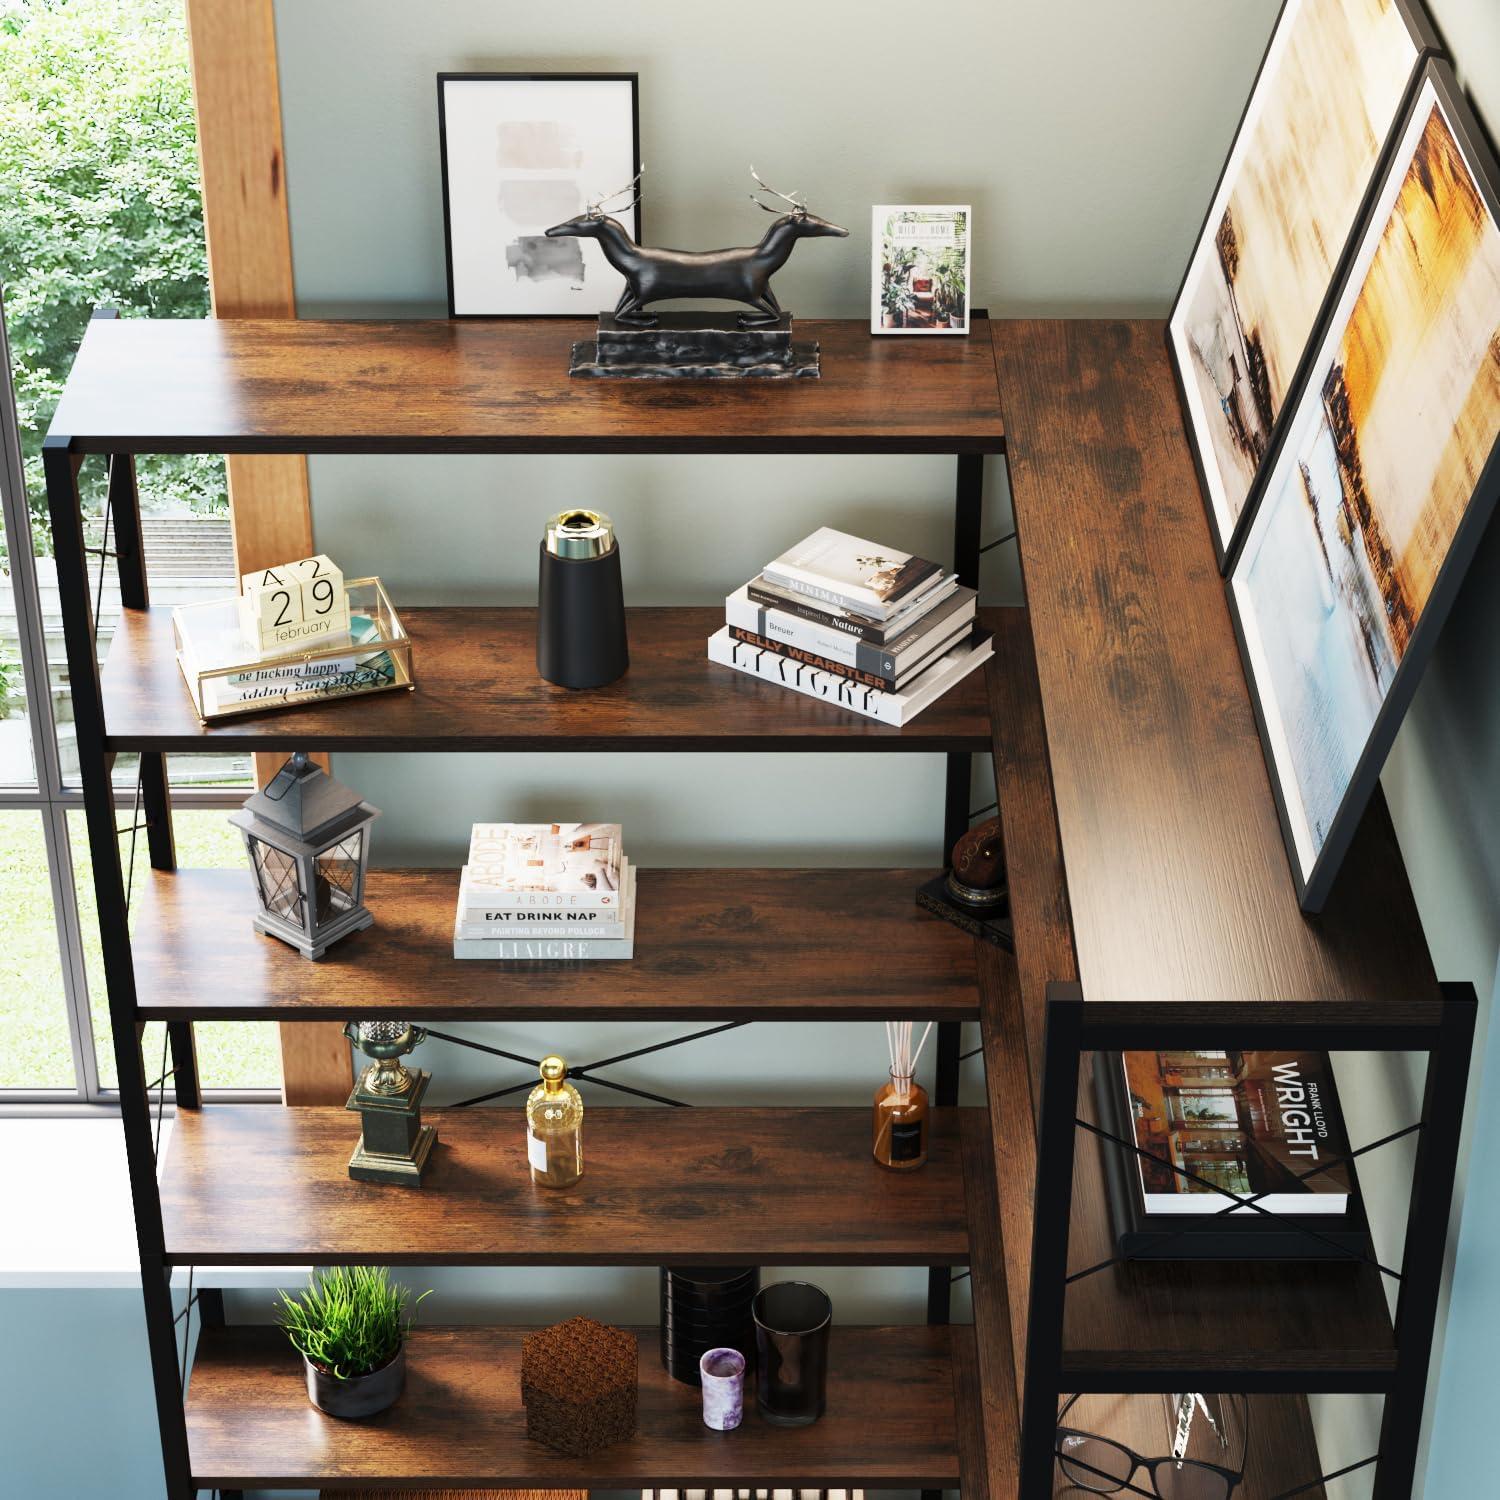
<point>703,1308</point>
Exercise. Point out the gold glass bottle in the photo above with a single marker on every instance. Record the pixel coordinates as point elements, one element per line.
<point>900,1123</point>
<point>554,1128</point>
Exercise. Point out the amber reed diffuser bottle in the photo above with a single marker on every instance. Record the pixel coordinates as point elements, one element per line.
<point>899,1125</point>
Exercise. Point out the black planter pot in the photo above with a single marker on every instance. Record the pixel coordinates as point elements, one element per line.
<point>362,1396</point>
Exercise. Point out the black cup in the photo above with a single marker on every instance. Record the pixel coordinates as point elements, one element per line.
<point>792,1321</point>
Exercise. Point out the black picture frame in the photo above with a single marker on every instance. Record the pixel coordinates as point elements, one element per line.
<point>443,79</point>
<point>1314,885</point>
<point>1427,43</point>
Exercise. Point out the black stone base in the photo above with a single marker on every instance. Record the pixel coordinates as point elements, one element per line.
<point>993,926</point>
<point>692,346</point>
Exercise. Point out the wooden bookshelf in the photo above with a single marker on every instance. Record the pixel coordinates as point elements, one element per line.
<point>890,1422</point>
<point>261,386</point>
<point>246,1185</point>
<point>726,944</point>
<point>478,689</point>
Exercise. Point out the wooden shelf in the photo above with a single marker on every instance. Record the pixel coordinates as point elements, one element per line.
<point>710,944</point>
<point>1325,1321</point>
<point>252,1185</point>
<point>890,1422</point>
<point>1177,878</point>
<point>304,386</point>
<point>478,689</point>
<point>1281,1454</point>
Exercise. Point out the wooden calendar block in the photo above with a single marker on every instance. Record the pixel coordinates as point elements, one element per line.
<point>293,605</point>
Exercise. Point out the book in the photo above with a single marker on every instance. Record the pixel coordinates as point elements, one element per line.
<point>873,703</point>
<point>524,866</point>
<point>850,622</point>
<point>553,949</point>
<point>477,919</point>
<point>1252,1123</point>
<point>853,573</point>
<point>851,674</point>
<point>891,662</point>
<point>919,272</point>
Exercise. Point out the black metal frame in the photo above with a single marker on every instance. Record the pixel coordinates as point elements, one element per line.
<point>633,79</point>
<point>1445,1031</point>
<point>1314,887</point>
<point>153,813</point>
<point>1426,41</point>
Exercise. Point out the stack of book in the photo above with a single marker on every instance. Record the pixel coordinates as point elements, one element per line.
<point>545,891</point>
<point>868,628</point>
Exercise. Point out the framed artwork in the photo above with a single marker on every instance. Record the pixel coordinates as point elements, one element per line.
<point>1279,230</point>
<point>919,268</point>
<point>521,152</point>
<point>1380,485</point>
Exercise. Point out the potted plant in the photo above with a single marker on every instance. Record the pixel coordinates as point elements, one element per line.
<point>949,273</point>
<point>350,1328</point>
<point>895,302</point>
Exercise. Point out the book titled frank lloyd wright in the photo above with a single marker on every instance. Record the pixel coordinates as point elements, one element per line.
<point>1257,1124</point>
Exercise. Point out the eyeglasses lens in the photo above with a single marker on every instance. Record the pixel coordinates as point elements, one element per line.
<point>1093,1464</point>
<point>1189,1481</point>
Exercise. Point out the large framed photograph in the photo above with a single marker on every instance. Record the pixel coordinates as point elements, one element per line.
<point>1280,228</point>
<point>1381,484</point>
<point>521,152</point>
<point>919,271</point>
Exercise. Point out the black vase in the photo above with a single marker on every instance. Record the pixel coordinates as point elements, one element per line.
<point>792,1320</point>
<point>361,1395</point>
<point>580,628</point>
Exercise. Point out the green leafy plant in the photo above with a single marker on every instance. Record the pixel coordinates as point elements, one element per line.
<point>350,1321</point>
<point>948,273</point>
<point>101,208</point>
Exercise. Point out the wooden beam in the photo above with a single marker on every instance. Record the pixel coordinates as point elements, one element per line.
<point>237,93</point>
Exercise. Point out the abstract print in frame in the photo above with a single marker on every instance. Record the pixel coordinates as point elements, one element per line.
<point>521,152</point>
<point>1381,484</point>
<point>1304,159</point>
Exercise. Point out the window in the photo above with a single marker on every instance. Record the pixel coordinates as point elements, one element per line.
<point>99,206</point>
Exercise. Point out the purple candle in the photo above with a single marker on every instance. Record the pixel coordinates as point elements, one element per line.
<point>723,1372</point>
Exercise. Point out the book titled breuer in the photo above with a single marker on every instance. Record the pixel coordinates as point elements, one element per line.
<point>893,662</point>
<point>553,949</point>
<point>853,573</point>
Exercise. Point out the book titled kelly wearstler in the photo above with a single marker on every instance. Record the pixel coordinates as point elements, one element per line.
<point>919,272</point>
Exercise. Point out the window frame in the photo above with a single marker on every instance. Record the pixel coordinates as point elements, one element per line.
<point>53,798</point>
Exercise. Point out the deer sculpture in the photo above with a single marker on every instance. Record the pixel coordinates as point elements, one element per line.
<point>741,275</point>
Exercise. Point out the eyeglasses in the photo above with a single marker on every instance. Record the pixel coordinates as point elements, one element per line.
<point>1103,1466</point>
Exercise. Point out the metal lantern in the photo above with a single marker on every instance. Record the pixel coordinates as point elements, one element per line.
<point>307,836</point>
<point>394,1144</point>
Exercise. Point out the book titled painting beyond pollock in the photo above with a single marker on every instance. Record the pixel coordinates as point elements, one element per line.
<point>919,274</point>
<point>1262,1126</point>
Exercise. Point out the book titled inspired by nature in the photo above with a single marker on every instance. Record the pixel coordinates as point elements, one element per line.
<point>853,573</point>
<point>919,274</point>
<point>524,865</point>
<point>1255,1124</point>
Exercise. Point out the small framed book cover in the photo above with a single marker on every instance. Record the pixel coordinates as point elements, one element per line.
<point>919,270</point>
<point>1262,1125</point>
